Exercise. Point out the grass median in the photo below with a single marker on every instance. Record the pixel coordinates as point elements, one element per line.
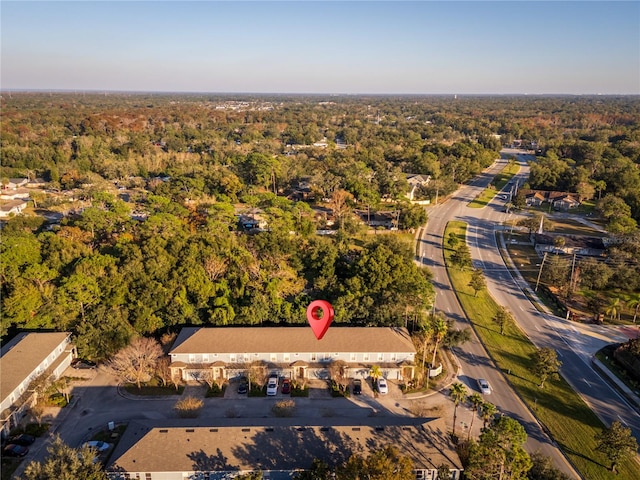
<point>498,183</point>
<point>567,418</point>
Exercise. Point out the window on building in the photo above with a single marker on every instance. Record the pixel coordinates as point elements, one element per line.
<point>394,357</point>
<point>273,357</point>
<point>365,357</point>
<point>352,357</point>
<point>192,358</point>
<point>205,358</point>
<point>314,357</point>
<point>286,357</point>
<point>232,358</point>
<point>380,357</point>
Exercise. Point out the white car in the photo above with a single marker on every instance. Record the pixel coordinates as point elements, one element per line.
<point>382,386</point>
<point>272,386</point>
<point>98,445</point>
<point>484,386</point>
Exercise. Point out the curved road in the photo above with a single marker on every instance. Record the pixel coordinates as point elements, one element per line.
<point>474,360</point>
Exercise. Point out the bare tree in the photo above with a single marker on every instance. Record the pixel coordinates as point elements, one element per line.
<point>338,372</point>
<point>209,378</point>
<point>258,373</point>
<point>137,362</point>
<point>163,370</point>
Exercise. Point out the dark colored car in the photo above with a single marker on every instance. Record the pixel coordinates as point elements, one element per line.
<point>286,386</point>
<point>13,450</point>
<point>82,364</point>
<point>243,386</point>
<point>22,439</point>
<point>357,386</point>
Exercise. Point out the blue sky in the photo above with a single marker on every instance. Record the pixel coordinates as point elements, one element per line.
<point>417,47</point>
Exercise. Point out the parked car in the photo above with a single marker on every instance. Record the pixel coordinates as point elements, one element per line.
<point>484,386</point>
<point>382,386</point>
<point>357,386</point>
<point>81,364</point>
<point>14,450</point>
<point>22,439</point>
<point>98,445</point>
<point>272,386</point>
<point>286,386</point>
<point>243,386</point>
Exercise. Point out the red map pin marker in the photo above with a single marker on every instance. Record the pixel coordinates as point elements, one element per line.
<point>319,325</point>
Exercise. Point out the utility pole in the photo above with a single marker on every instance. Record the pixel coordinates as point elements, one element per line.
<point>573,266</point>
<point>540,272</point>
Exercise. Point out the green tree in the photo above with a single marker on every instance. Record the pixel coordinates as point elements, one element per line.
<point>502,318</point>
<point>457,393</point>
<point>461,257</point>
<point>476,401</point>
<point>614,308</point>
<point>632,301</point>
<point>477,281</point>
<point>542,468</point>
<point>487,411</point>
<point>617,444</point>
<point>499,453</point>
<point>65,463</point>
<point>438,332</point>
<point>545,364</point>
<point>384,464</point>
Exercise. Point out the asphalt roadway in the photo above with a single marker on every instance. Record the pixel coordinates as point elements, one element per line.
<point>575,344</point>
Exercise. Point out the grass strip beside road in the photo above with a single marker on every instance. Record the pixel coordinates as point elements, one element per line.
<point>567,418</point>
<point>498,183</point>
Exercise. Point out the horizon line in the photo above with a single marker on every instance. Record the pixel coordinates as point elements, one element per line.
<point>334,94</point>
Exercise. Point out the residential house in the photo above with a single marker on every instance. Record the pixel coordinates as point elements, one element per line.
<point>15,183</point>
<point>534,198</point>
<point>278,448</point>
<point>559,200</point>
<point>20,193</point>
<point>416,181</point>
<point>292,352</point>
<point>12,207</point>
<point>378,219</point>
<point>37,183</point>
<point>22,360</point>
<point>582,245</point>
<point>252,222</point>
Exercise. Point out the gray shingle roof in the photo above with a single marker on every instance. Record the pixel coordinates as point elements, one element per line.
<point>22,355</point>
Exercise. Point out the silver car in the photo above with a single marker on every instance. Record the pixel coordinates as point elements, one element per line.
<point>484,386</point>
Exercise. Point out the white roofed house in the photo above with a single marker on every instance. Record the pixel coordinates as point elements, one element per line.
<point>12,207</point>
<point>293,352</point>
<point>22,360</point>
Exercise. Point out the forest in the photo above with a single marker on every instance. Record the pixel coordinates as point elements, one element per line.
<point>148,188</point>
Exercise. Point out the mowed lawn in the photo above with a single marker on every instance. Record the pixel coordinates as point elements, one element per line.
<point>568,419</point>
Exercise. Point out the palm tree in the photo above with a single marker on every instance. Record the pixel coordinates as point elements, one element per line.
<point>457,393</point>
<point>375,372</point>
<point>476,401</point>
<point>440,328</point>
<point>633,301</point>
<point>614,308</point>
<point>487,411</point>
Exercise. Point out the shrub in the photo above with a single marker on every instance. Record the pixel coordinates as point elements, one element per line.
<point>189,407</point>
<point>215,391</point>
<point>284,408</point>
